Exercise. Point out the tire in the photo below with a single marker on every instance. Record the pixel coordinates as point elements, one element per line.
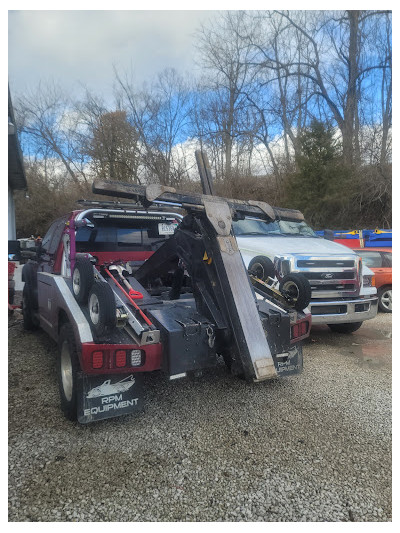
<point>11,295</point>
<point>67,371</point>
<point>385,299</point>
<point>29,275</point>
<point>11,291</point>
<point>262,267</point>
<point>82,280</point>
<point>351,327</point>
<point>30,321</point>
<point>297,289</point>
<point>102,308</point>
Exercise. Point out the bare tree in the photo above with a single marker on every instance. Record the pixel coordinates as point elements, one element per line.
<point>49,127</point>
<point>226,58</point>
<point>159,113</point>
<point>335,67</point>
<point>280,97</point>
<point>384,44</point>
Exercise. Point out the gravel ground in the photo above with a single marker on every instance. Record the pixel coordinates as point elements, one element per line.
<point>314,447</point>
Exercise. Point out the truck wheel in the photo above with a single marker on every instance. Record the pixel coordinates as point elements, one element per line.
<point>385,299</point>
<point>29,275</point>
<point>261,267</point>
<point>82,279</point>
<point>102,308</point>
<point>30,321</point>
<point>11,294</point>
<point>67,370</point>
<point>345,328</point>
<point>297,289</point>
<point>11,291</point>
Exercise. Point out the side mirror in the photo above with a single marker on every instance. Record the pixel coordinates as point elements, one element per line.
<point>329,235</point>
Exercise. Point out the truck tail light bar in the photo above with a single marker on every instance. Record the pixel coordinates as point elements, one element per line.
<point>108,358</point>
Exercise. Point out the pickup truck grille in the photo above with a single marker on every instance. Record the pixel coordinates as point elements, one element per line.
<point>323,263</point>
<point>332,275</point>
<point>329,277</point>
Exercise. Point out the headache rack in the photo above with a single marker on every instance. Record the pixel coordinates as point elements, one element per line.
<point>123,206</point>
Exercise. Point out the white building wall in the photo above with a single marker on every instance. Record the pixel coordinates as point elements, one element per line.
<point>12,233</point>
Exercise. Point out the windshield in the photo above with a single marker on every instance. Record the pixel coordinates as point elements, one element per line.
<point>113,234</point>
<point>252,226</point>
<point>375,259</point>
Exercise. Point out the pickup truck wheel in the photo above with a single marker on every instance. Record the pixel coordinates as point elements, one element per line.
<point>345,328</point>
<point>385,299</point>
<point>82,279</point>
<point>30,321</point>
<point>261,267</point>
<point>102,308</point>
<point>67,370</point>
<point>297,289</point>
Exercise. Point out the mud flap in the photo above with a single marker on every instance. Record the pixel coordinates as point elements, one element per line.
<point>106,396</point>
<point>290,363</point>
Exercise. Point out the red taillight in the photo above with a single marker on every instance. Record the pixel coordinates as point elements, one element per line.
<point>120,358</point>
<point>298,330</point>
<point>97,359</point>
<point>303,328</point>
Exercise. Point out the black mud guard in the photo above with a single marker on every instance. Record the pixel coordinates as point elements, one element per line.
<point>106,396</point>
<point>289,363</point>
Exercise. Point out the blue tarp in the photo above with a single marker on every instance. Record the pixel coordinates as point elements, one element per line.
<point>377,237</point>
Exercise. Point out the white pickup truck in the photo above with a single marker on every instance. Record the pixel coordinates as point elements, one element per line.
<point>343,291</point>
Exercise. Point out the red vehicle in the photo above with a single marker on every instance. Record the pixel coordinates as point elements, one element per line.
<point>379,260</point>
<point>127,290</point>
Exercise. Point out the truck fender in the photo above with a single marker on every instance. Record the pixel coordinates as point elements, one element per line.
<point>57,302</point>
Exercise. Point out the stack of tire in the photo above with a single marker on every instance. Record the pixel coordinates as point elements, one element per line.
<point>294,287</point>
<point>97,294</point>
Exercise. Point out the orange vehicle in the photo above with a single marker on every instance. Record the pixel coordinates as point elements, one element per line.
<point>379,260</point>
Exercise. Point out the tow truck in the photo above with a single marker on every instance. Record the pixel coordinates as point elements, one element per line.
<point>157,283</point>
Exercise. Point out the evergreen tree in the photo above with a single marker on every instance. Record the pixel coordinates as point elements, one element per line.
<point>321,188</point>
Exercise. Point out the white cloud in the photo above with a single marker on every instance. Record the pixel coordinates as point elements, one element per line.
<point>261,164</point>
<point>82,46</point>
